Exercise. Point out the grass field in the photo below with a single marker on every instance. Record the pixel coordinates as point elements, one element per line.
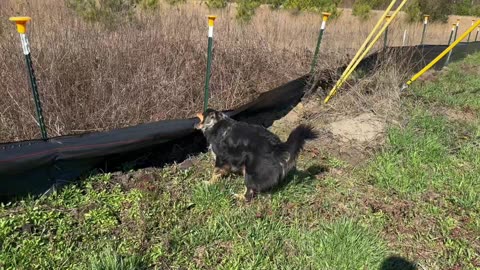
<point>412,205</point>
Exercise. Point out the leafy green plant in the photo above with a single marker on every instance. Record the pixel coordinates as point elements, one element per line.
<point>109,259</point>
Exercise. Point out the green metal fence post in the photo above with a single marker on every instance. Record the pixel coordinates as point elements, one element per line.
<point>454,27</point>
<point>325,16</point>
<point>206,94</point>
<point>21,23</point>
<point>469,34</point>
<point>385,38</point>
<point>425,22</point>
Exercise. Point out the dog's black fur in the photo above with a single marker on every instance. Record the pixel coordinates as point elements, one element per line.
<point>240,147</point>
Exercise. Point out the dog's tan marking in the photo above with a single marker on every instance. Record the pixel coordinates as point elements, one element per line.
<point>241,197</point>
<point>200,116</point>
<point>218,173</point>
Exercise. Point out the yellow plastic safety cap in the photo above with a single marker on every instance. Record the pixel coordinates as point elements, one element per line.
<point>388,17</point>
<point>211,19</point>
<point>21,23</point>
<point>325,16</point>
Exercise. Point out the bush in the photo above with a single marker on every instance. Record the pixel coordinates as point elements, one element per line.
<point>275,4</point>
<point>314,5</point>
<point>216,3</point>
<point>437,9</point>
<point>109,12</point>
<point>148,4</point>
<point>413,12</point>
<point>361,10</point>
<point>246,10</point>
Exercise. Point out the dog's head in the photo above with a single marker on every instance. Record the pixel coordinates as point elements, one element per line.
<point>208,119</point>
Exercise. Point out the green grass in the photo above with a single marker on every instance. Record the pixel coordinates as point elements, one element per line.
<point>418,198</point>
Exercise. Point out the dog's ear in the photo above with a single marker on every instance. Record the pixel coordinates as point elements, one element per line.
<point>220,115</point>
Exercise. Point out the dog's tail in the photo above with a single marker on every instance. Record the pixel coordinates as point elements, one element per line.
<point>297,138</point>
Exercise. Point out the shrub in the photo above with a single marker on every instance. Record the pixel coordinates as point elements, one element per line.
<point>314,5</point>
<point>174,2</point>
<point>216,3</point>
<point>413,11</point>
<point>246,10</point>
<point>109,12</point>
<point>148,4</point>
<point>361,10</point>
<point>275,4</point>
<point>437,9</point>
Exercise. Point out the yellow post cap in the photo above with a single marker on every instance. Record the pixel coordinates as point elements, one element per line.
<point>21,23</point>
<point>388,17</point>
<point>325,16</point>
<point>426,16</point>
<point>211,19</point>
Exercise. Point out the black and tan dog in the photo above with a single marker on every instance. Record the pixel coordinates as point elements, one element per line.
<point>252,150</point>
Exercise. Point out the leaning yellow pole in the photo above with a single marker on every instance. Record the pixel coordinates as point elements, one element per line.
<point>363,54</point>
<point>380,21</point>
<point>440,56</point>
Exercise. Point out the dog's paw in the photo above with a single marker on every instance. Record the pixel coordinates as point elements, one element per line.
<point>240,197</point>
<point>209,182</point>
<point>215,178</point>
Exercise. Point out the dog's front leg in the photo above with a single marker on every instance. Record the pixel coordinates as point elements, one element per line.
<point>220,170</point>
<point>216,175</point>
<point>247,196</point>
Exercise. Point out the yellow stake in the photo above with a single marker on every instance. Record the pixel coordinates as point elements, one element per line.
<point>440,56</point>
<point>359,59</point>
<point>21,23</point>
<point>352,62</point>
<point>325,16</point>
<point>426,17</point>
<point>211,20</point>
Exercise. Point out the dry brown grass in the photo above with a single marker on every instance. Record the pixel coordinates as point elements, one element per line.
<point>153,68</point>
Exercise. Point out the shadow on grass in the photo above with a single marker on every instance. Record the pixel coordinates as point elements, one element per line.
<point>397,263</point>
<point>297,177</point>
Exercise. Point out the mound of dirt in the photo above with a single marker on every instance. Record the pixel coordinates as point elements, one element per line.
<point>363,128</point>
<point>352,138</point>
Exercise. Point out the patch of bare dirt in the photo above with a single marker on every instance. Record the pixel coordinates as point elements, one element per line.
<point>464,115</point>
<point>362,128</point>
<point>351,138</point>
